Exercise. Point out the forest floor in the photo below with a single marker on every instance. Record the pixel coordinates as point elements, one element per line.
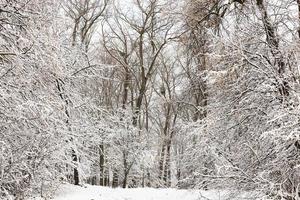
<point>89,192</point>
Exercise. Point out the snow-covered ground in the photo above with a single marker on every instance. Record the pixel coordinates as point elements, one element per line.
<point>88,192</point>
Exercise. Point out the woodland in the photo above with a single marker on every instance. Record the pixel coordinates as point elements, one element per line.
<point>187,94</point>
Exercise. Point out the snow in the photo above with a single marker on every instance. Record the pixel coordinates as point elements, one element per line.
<point>96,192</point>
<point>89,192</point>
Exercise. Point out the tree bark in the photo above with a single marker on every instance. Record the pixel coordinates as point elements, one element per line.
<point>273,43</point>
<point>76,173</point>
<point>125,88</point>
<point>115,181</point>
<point>126,170</point>
<point>298,4</point>
<point>59,84</point>
<point>101,163</point>
<point>161,161</point>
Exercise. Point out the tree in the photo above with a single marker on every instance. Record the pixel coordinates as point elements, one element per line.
<point>31,115</point>
<point>85,16</point>
<point>135,43</point>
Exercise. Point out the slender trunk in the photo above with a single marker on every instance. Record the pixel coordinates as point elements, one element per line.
<point>124,102</point>
<point>125,88</point>
<point>298,3</point>
<point>106,179</point>
<point>147,115</point>
<point>164,164</point>
<point>101,163</point>
<point>149,179</point>
<point>167,144</point>
<point>273,43</point>
<point>62,95</point>
<point>126,170</point>
<point>115,181</point>
<point>139,101</point>
<point>74,33</point>
<point>142,88</point>
<point>76,174</point>
<point>161,161</point>
<point>125,180</point>
<point>143,178</point>
<point>167,171</point>
<point>178,175</point>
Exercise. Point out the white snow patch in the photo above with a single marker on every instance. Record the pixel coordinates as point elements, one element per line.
<point>89,192</point>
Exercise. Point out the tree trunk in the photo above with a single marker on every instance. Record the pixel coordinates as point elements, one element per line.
<point>273,43</point>
<point>161,162</point>
<point>298,3</point>
<point>101,163</point>
<point>125,179</point>
<point>126,170</point>
<point>139,101</point>
<point>106,179</point>
<point>76,174</point>
<point>125,88</point>
<point>115,181</point>
<point>167,172</point>
<point>149,179</point>
<point>60,84</point>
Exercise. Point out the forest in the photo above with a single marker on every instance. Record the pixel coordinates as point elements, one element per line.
<point>186,94</point>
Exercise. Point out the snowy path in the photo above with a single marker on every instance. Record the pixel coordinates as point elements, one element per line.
<point>70,192</point>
